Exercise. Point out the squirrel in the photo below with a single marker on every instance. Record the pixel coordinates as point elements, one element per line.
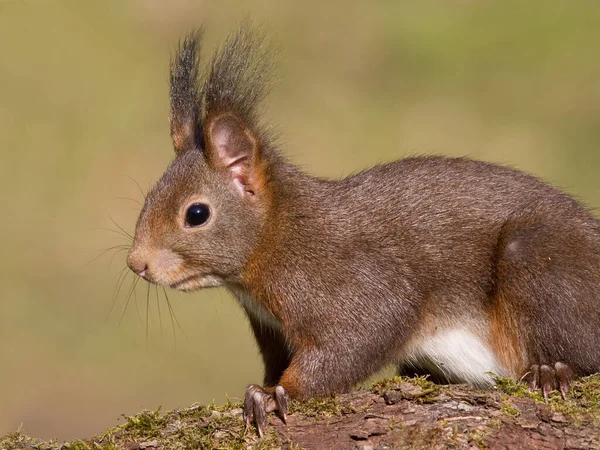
<point>449,267</point>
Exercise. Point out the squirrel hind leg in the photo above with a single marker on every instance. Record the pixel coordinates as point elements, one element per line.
<point>545,305</point>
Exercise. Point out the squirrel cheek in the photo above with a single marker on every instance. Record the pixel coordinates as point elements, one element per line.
<point>165,265</point>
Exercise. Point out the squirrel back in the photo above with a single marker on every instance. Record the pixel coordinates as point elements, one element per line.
<point>447,266</point>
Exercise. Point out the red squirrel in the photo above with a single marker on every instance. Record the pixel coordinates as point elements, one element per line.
<point>445,266</point>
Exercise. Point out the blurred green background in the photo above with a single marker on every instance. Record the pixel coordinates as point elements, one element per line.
<point>84,106</point>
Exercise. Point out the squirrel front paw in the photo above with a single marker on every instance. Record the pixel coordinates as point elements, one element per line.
<point>548,378</point>
<point>258,402</point>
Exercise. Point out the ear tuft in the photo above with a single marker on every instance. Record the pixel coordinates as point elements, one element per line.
<point>234,148</point>
<point>186,95</point>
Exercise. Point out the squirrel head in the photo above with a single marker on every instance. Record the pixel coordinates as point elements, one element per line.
<point>200,222</point>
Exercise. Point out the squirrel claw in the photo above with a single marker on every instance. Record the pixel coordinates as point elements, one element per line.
<point>549,378</point>
<point>281,398</point>
<point>258,402</point>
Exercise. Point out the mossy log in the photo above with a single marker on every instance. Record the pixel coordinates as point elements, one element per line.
<point>398,413</point>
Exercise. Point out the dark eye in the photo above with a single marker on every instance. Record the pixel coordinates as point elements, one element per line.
<point>196,215</point>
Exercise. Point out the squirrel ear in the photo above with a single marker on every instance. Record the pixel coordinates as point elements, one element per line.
<point>233,147</point>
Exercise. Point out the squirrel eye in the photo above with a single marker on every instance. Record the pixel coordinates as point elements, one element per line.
<point>196,215</point>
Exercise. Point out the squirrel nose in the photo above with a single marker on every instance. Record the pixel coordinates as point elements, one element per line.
<point>137,266</point>
<point>141,269</point>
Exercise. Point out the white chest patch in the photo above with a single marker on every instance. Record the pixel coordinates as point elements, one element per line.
<point>455,355</point>
<point>257,310</point>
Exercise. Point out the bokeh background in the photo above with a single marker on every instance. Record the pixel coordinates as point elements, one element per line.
<point>83,113</point>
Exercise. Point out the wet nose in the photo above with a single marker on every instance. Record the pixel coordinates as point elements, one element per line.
<point>137,265</point>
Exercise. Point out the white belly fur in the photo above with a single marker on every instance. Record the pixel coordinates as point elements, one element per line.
<point>457,355</point>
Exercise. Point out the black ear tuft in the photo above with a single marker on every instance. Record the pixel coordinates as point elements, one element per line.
<point>186,94</point>
<point>240,77</point>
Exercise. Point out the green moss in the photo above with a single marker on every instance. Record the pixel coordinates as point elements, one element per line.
<point>478,438</point>
<point>387,384</point>
<point>207,427</point>
<point>394,422</point>
<point>146,423</point>
<point>582,403</point>
<point>81,445</point>
<point>508,409</point>
<point>494,423</point>
<point>428,394</point>
<point>318,407</point>
<point>16,440</point>
<point>510,386</point>
<point>198,427</point>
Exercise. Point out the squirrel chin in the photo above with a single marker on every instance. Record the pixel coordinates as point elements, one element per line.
<point>197,282</point>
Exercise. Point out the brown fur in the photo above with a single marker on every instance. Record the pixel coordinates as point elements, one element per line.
<point>294,381</point>
<point>341,277</point>
<point>505,339</point>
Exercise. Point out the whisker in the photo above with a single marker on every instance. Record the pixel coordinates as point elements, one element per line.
<point>126,249</point>
<point>130,293</point>
<point>137,308</point>
<point>175,316</point>
<point>120,228</point>
<point>159,315</point>
<point>171,315</point>
<point>147,311</point>
<point>124,235</point>
<point>103,252</point>
<point>120,280</point>
<point>129,198</point>
<point>136,183</point>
